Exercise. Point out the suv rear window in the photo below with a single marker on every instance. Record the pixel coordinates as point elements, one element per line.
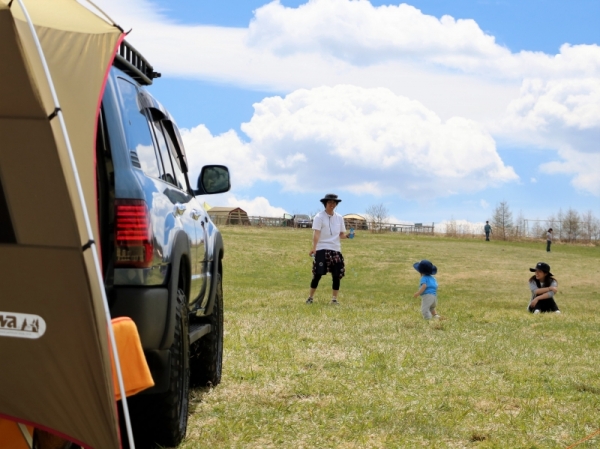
<point>137,131</point>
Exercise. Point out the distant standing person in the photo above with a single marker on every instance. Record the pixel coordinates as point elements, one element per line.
<point>487,228</point>
<point>543,287</point>
<point>548,240</point>
<point>428,288</point>
<point>328,228</point>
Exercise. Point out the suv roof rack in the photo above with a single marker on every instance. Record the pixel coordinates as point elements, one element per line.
<point>134,64</point>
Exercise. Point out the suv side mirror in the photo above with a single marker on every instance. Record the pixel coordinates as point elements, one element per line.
<point>213,179</point>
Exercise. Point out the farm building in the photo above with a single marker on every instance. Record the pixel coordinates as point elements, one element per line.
<point>228,215</point>
<point>355,221</point>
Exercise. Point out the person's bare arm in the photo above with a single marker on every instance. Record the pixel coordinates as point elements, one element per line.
<point>421,290</point>
<point>343,236</point>
<point>316,235</point>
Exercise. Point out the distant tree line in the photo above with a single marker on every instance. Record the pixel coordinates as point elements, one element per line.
<point>569,226</point>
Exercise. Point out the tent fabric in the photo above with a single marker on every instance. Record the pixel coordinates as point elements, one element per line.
<point>136,377</point>
<point>56,370</point>
<point>228,215</point>
<point>79,48</point>
<point>354,217</point>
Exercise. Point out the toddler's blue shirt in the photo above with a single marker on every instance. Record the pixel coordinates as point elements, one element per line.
<point>431,284</point>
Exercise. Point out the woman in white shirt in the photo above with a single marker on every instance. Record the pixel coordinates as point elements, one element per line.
<point>328,228</point>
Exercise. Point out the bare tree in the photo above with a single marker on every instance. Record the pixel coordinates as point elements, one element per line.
<point>519,229</point>
<point>591,225</point>
<point>377,216</point>
<point>537,231</point>
<point>551,222</point>
<point>559,219</point>
<point>571,225</point>
<point>451,228</point>
<point>502,220</point>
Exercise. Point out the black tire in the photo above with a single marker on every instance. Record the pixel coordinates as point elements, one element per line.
<point>207,353</point>
<point>162,418</point>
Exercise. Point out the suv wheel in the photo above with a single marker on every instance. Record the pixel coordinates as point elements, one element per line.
<point>162,418</point>
<point>207,353</point>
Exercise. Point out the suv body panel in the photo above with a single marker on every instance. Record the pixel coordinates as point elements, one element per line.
<point>183,236</point>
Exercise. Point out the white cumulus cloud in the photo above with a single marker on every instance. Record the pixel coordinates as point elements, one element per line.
<point>228,55</point>
<point>368,141</point>
<point>254,207</point>
<point>582,166</point>
<point>363,34</point>
<point>558,113</point>
<point>459,226</point>
<point>459,76</point>
<point>202,148</point>
<point>564,115</point>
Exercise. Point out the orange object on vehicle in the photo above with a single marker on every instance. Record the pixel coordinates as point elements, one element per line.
<point>134,368</point>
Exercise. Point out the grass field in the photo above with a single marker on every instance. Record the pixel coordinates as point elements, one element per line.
<point>372,373</point>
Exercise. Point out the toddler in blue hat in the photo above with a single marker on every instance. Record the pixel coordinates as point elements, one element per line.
<point>428,289</point>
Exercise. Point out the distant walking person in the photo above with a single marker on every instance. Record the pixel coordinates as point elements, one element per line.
<point>543,287</point>
<point>488,229</point>
<point>428,289</point>
<point>328,228</point>
<point>548,240</point>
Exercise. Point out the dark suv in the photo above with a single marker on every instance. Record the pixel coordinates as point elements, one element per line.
<point>161,253</point>
<point>302,221</point>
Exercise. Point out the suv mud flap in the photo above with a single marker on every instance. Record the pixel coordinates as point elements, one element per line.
<point>159,362</point>
<point>147,307</point>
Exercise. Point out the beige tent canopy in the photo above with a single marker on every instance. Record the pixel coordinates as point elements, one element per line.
<point>355,221</point>
<point>228,215</point>
<point>54,332</point>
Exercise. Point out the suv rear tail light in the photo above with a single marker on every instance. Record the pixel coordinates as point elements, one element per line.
<point>133,234</point>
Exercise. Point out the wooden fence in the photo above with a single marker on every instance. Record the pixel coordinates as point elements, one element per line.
<point>268,222</point>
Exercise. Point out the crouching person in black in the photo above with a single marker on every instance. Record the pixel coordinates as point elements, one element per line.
<point>543,287</point>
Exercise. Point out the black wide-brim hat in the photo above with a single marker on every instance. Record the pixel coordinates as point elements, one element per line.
<point>543,267</point>
<point>425,267</point>
<point>330,197</point>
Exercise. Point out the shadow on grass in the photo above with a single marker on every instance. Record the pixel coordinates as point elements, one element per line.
<point>197,395</point>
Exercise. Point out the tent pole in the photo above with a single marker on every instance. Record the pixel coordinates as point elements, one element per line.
<point>106,16</point>
<point>26,434</point>
<point>88,227</point>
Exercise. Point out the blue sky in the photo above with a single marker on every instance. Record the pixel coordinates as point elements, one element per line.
<point>435,117</point>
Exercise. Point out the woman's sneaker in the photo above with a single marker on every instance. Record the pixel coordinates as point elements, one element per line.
<point>309,300</point>
<point>334,301</point>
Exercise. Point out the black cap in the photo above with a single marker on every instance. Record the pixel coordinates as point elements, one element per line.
<point>543,267</point>
<point>330,197</point>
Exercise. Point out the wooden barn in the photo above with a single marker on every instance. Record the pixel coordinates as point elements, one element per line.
<point>228,216</point>
<point>355,221</point>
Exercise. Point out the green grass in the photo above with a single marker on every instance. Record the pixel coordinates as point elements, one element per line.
<point>372,373</point>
